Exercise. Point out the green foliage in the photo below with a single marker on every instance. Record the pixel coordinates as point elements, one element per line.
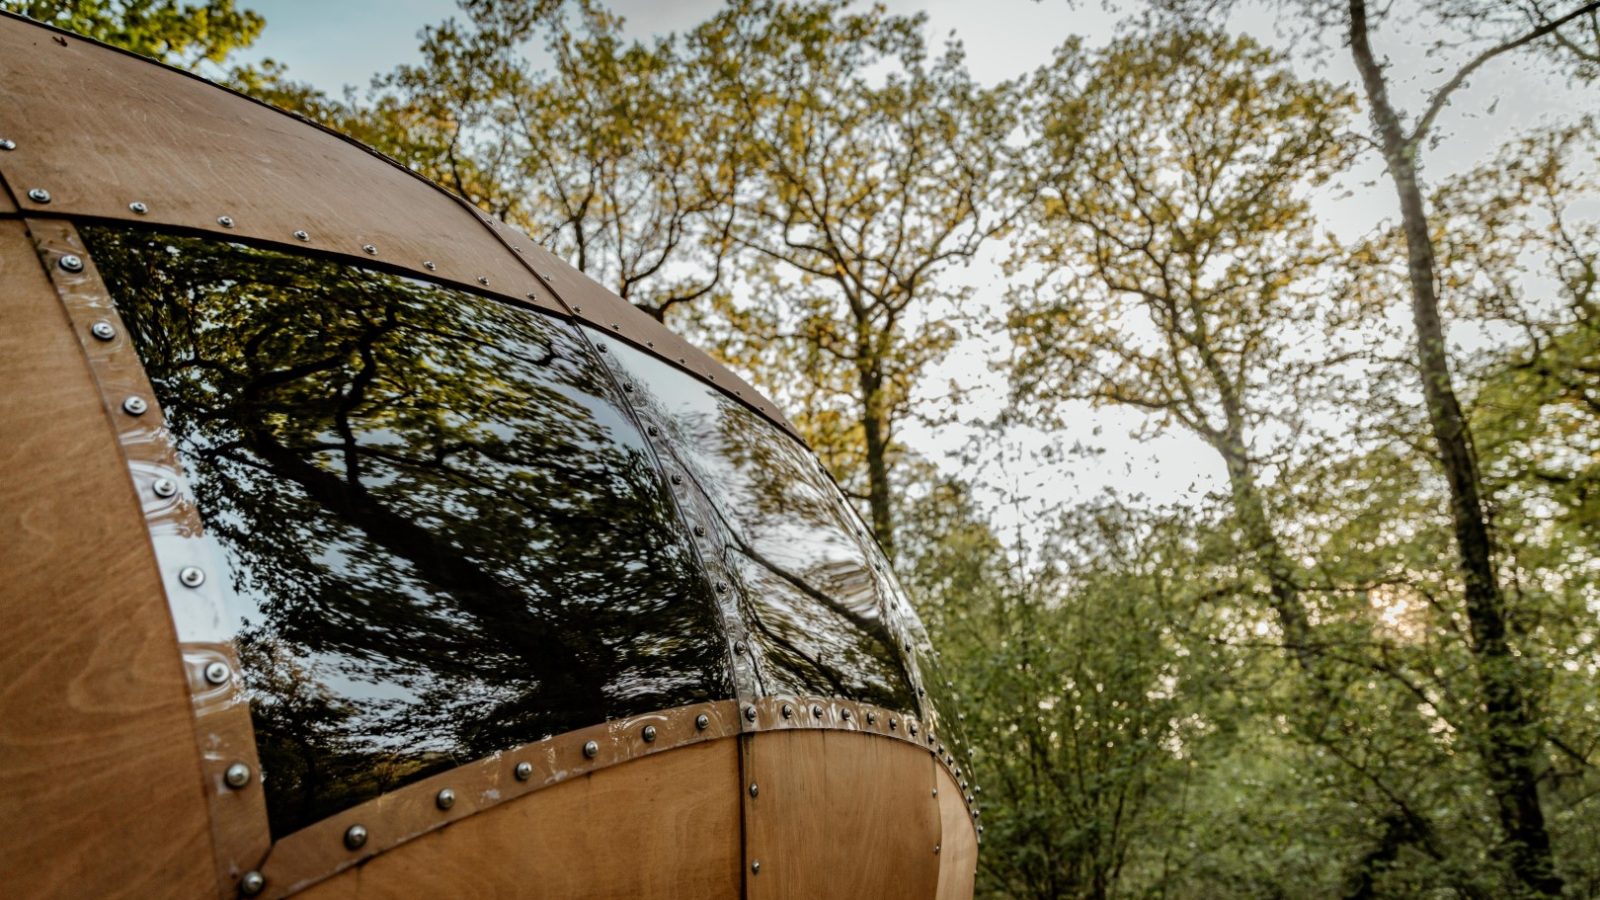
<point>182,34</point>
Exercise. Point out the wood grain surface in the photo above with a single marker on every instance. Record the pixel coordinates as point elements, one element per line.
<point>100,791</point>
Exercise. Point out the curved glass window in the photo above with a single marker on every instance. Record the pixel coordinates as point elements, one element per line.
<point>810,596</point>
<point>445,534</point>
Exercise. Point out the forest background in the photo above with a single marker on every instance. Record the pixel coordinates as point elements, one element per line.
<point>1225,384</point>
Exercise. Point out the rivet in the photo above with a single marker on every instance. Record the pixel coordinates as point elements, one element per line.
<point>103,330</point>
<point>969,799</point>
<point>225,221</point>
<point>523,771</point>
<point>39,195</point>
<point>577,309</point>
<point>532,296</point>
<point>71,262</point>
<point>755,867</point>
<point>976,813</point>
<point>189,576</point>
<point>164,487</point>
<point>483,279</point>
<point>301,235</point>
<point>7,144</point>
<point>135,406</point>
<point>844,714</point>
<point>816,711</point>
<point>649,734</point>
<point>754,789</point>
<point>750,713</point>
<point>739,647</point>
<point>370,248</point>
<point>445,799</point>
<point>702,722</point>
<point>722,587</point>
<point>912,728</point>
<point>137,207</point>
<point>251,884</point>
<point>426,264</point>
<point>893,724</point>
<point>591,749</point>
<point>935,849</point>
<point>355,837</point>
<point>922,692</point>
<point>872,717</point>
<point>699,531</point>
<point>907,645</point>
<point>615,327</point>
<point>930,739</point>
<point>237,775</point>
<point>936,792</point>
<point>627,388</point>
<point>218,672</point>
<point>941,746</point>
<point>788,711</point>
<point>677,479</point>
<point>546,277</point>
<point>652,431</point>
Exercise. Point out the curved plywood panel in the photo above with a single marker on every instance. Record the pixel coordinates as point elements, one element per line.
<point>96,740</point>
<point>660,827</point>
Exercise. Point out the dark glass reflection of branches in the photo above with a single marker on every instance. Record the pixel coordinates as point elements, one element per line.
<point>810,596</point>
<point>445,537</point>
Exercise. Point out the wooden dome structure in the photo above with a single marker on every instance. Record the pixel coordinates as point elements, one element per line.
<point>357,546</point>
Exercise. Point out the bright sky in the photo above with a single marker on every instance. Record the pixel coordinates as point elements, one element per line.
<point>335,44</point>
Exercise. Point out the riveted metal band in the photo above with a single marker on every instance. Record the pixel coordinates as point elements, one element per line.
<point>223,730</point>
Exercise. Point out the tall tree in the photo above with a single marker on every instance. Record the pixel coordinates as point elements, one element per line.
<point>1180,255</point>
<point>1511,745</point>
<point>874,169</point>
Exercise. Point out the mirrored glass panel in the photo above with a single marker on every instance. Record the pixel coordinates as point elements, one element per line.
<point>811,598</point>
<point>444,534</point>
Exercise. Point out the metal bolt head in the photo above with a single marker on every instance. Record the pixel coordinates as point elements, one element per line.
<point>649,734</point>
<point>445,799</point>
<point>237,775</point>
<point>218,672</point>
<point>750,713</point>
<point>816,711</point>
<point>788,711</point>
<point>355,837</point>
<point>893,723</point>
<point>676,478</point>
<point>138,208</point>
<point>591,749</point>
<point>371,249</point>
<point>935,849</point>
<point>523,771</point>
<point>652,431</point>
<point>135,406</point>
<point>702,722</point>
<point>740,647</point>
<point>872,717</point>
<point>912,728</point>
<point>39,195</point>
<point>483,279</point>
<point>225,221</point>
<point>699,531</point>
<point>7,144</point>
<point>190,576</point>
<point>302,235</point>
<point>936,792</point>
<point>164,487</point>
<point>755,867</point>
<point>427,264</point>
<point>251,884</point>
<point>844,714</point>
<point>754,789</point>
<point>103,330</point>
<point>70,262</point>
<point>722,587</point>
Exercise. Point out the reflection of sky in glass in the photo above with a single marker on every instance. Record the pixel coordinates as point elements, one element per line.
<point>445,537</point>
<point>810,598</point>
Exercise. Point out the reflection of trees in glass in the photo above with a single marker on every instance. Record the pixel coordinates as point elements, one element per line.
<point>812,602</point>
<point>445,537</point>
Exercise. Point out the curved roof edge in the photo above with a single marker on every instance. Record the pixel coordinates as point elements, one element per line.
<point>97,132</point>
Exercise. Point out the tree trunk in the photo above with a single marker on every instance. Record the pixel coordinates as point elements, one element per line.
<point>1509,744</point>
<point>875,427</point>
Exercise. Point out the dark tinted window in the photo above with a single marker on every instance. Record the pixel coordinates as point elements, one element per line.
<point>446,536</point>
<point>811,599</point>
